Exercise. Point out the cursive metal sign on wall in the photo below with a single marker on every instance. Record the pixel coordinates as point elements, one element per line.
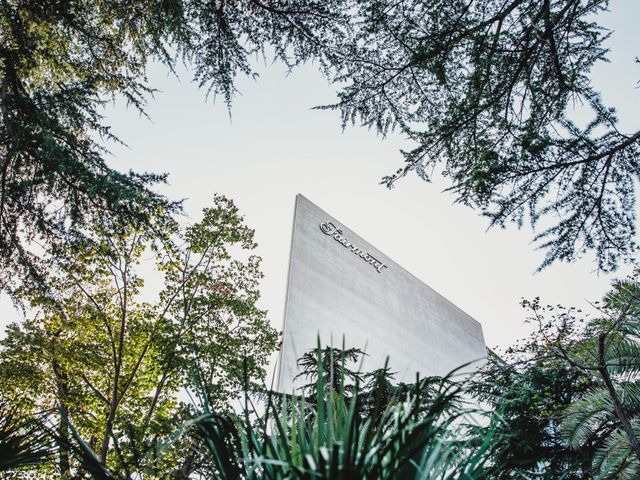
<point>328,228</point>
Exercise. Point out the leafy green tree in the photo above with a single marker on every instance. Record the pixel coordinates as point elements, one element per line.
<point>61,61</point>
<point>118,367</point>
<point>569,395</point>
<point>608,348</point>
<point>486,90</point>
<point>530,397</point>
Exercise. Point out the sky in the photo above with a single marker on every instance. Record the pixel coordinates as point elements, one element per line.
<point>274,145</point>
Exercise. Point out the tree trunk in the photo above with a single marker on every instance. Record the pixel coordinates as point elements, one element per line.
<point>63,429</point>
<point>617,404</point>
<point>63,459</point>
<point>104,446</point>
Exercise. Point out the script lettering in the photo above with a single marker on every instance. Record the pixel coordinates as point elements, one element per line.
<point>328,228</point>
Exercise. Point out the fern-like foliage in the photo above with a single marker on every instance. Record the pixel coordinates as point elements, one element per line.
<point>615,459</point>
<point>587,416</point>
<point>610,349</point>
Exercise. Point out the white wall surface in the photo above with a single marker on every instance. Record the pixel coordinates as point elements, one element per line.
<point>341,286</point>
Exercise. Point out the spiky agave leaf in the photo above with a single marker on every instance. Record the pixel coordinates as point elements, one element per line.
<point>330,440</point>
<point>89,461</point>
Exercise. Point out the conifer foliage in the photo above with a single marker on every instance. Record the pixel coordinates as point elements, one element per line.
<point>61,61</point>
<point>486,90</point>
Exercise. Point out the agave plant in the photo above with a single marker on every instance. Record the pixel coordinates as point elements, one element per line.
<point>288,437</point>
<point>329,439</point>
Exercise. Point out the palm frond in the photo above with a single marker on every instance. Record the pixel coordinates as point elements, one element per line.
<point>623,357</point>
<point>615,459</point>
<point>23,442</point>
<point>585,416</point>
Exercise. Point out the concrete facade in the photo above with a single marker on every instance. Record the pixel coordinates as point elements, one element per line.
<point>340,285</point>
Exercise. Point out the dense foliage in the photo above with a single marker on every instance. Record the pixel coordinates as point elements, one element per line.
<point>286,438</point>
<point>61,61</point>
<point>531,397</point>
<point>564,404</point>
<point>104,380</point>
<point>95,354</point>
<point>484,88</point>
<point>569,394</point>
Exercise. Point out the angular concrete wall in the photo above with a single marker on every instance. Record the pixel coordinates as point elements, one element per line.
<point>339,284</point>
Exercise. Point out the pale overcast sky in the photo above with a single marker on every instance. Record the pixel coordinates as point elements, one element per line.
<point>276,146</point>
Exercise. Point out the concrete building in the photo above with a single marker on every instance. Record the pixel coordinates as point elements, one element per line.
<point>340,286</point>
